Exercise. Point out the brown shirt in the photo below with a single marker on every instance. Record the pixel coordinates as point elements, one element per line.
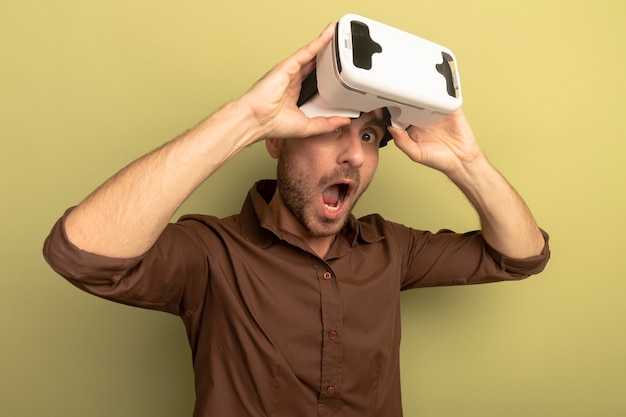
<point>275,330</point>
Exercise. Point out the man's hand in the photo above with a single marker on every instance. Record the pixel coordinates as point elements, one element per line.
<point>449,146</point>
<point>272,100</point>
<point>124,217</point>
<point>446,145</point>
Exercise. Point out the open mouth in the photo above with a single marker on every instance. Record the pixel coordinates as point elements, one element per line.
<point>335,195</point>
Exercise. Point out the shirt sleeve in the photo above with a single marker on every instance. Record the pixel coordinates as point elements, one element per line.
<point>164,278</point>
<point>448,258</point>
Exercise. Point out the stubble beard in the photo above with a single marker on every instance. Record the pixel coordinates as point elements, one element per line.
<point>302,197</point>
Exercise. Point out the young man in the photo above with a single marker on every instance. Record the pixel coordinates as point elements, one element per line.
<point>292,306</point>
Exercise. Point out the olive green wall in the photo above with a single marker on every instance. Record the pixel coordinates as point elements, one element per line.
<point>86,86</point>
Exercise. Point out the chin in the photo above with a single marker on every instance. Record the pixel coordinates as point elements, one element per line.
<point>326,227</point>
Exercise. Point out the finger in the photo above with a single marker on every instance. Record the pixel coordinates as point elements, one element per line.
<point>307,53</point>
<point>307,68</point>
<point>302,62</point>
<point>406,142</point>
<point>321,125</point>
<point>323,40</point>
<point>399,135</point>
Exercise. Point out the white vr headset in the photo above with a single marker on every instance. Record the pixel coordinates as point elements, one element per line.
<point>369,65</point>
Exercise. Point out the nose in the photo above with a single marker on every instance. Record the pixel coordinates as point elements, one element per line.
<point>351,148</point>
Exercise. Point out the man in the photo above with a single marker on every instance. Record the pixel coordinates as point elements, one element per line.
<point>292,306</point>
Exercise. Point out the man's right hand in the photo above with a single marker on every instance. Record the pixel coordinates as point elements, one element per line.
<point>124,217</point>
<point>272,100</point>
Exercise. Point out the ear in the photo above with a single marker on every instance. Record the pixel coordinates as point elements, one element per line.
<point>273,146</point>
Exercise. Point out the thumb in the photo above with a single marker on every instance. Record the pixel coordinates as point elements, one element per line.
<point>406,141</point>
<point>321,125</point>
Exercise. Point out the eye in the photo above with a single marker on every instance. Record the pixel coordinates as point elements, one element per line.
<point>369,136</point>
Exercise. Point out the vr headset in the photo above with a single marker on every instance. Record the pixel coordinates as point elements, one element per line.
<point>369,65</point>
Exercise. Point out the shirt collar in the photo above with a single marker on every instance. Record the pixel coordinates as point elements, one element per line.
<point>258,224</point>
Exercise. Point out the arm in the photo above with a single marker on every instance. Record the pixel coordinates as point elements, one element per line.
<point>124,217</point>
<point>449,146</point>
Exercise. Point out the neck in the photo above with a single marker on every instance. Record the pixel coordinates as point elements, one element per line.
<point>288,222</point>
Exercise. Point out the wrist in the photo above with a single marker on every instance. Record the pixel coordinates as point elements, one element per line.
<point>471,171</point>
<point>237,122</point>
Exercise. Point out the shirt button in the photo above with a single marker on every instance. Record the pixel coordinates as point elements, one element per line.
<point>327,275</point>
<point>332,335</point>
<point>330,390</point>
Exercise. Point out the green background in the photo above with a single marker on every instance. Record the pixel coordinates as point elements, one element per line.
<point>87,86</point>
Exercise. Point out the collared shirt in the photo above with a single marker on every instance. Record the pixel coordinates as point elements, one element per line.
<point>274,329</point>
